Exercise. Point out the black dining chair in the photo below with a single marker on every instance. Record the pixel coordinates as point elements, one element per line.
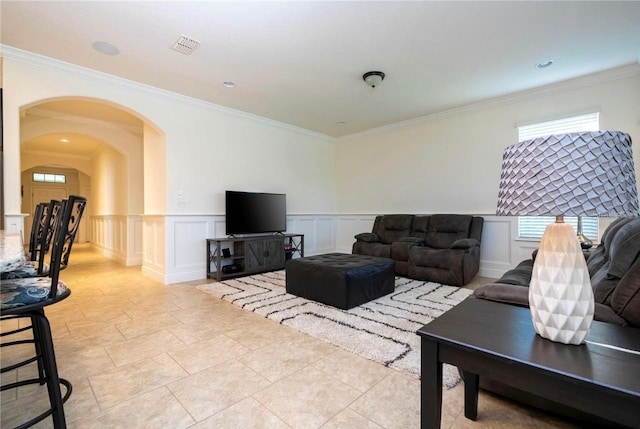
<point>38,218</point>
<point>42,232</point>
<point>27,298</point>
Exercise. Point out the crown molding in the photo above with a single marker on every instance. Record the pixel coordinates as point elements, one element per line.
<point>617,73</point>
<point>558,87</point>
<point>38,60</point>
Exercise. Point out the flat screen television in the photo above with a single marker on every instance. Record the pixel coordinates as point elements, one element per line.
<point>255,212</point>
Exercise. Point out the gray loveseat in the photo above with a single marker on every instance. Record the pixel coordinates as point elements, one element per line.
<point>442,248</point>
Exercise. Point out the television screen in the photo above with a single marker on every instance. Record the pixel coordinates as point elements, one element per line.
<point>255,212</point>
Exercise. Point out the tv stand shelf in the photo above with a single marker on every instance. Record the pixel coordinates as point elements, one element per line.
<point>251,255</point>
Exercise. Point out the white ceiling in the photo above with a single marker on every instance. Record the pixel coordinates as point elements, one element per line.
<point>301,63</point>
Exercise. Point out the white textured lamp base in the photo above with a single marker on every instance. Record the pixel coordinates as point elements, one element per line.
<point>560,294</point>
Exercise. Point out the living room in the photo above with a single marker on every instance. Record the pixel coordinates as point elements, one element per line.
<point>445,161</point>
<point>468,139</point>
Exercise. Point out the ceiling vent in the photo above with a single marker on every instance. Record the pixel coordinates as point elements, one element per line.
<point>185,45</point>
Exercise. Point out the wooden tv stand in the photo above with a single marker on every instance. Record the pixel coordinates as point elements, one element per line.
<point>252,254</point>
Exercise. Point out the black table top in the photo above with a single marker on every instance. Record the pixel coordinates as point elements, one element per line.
<point>506,331</point>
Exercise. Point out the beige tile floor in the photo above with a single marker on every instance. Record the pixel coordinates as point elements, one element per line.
<point>143,355</point>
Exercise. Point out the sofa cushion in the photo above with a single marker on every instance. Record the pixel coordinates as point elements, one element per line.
<point>603,285</point>
<point>394,227</point>
<point>465,243</point>
<point>400,250</point>
<point>520,275</point>
<point>420,226</point>
<point>624,248</point>
<point>435,258</point>
<point>611,232</point>
<point>367,237</point>
<point>445,229</point>
<point>372,249</point>
<point>604,313</point>
<point>596,260</point>
<point>397,222</point>
<point>505,293</point>
<point>625,299</point>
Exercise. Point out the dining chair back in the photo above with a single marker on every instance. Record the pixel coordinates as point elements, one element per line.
<point>71,224</point>
<point>27,298</point>
<point>36,227</point>
<point>47,232</point>
<point>41,236</point>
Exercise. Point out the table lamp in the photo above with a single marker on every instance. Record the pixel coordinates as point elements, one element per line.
<point>576,174</point>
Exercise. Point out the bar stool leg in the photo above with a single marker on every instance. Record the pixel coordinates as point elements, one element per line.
<point>51,370</point>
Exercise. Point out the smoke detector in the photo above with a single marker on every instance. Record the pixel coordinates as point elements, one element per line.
<point>185,45</point>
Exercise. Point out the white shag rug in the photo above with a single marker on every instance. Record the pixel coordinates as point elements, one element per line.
<point>382,330</point>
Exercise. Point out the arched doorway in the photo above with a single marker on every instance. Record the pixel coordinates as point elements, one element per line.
<point>100,146</point>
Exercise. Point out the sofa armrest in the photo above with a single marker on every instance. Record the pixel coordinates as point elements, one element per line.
<point>415,240</point>
<point>604,313</point>
<point>465,243</point>
<point>368,237</point>
<point>507,294</point>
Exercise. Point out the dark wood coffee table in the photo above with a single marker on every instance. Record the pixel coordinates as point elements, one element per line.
<point>498,341</point>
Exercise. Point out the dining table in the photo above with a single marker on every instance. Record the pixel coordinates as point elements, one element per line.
<point>12,254</point>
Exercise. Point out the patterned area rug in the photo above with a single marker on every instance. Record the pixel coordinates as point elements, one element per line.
<point>383,330</point>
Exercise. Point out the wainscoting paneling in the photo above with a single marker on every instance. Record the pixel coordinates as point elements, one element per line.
<point>496,246</point>
<point>186,258</point>
<point>154,262</point>
<point>118,237</point>
<point>173,248</point>
<point>186,247</point>
<point>347,226</point>
<point>318,230</point>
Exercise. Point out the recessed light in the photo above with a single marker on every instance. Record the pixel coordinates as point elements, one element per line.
<point>545,64</point>
<point>105,48</point>
<point>64,140</point>
<point>228,84</point>
<point>341,123</point>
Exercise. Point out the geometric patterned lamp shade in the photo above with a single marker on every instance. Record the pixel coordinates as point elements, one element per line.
<point>576,174</point>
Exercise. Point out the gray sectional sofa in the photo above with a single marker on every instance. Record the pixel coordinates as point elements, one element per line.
<point>614,268</point>
<point>442,248</point>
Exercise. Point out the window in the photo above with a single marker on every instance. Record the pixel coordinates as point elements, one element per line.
<point>49,178</point>
<point>534,226</point>
<point>590,122</point>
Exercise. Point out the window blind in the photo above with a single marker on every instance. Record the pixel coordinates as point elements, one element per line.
<point>588,122</point>
<point>534,226</point>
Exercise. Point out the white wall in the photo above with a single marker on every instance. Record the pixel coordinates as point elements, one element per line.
<point>191,148</point>
<point>450,163</point>
<point>110,182</point>
<point>212,153</point>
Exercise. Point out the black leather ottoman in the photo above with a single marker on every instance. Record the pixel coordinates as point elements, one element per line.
<point>340,279</point>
